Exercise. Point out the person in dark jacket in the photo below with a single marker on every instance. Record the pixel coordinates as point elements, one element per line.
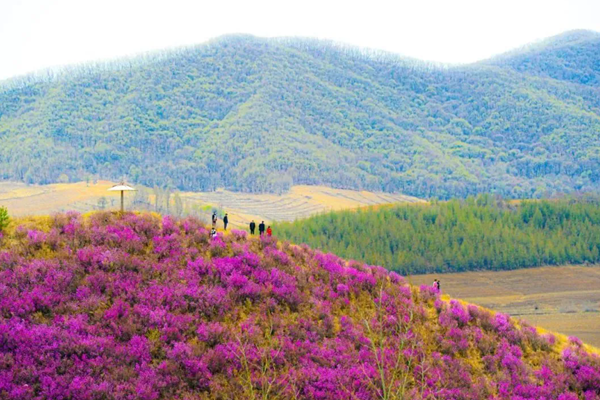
<point>252,227</point>
<point>261,228</point>
<point>214,219</point>
<point>225,221</point>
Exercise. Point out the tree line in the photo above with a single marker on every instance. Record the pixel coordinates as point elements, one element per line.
<point>479,233</point>
<point>162,200</point>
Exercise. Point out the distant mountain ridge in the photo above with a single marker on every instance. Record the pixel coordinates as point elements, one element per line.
<point>571,56</point>
<point>257,115</point>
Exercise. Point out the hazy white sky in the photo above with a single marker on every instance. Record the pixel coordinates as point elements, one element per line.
<point>36,34</point>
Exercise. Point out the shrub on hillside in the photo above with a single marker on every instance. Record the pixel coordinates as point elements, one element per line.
<point>4,218</point>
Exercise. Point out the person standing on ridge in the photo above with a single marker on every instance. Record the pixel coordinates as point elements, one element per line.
<point>261,228</point>
<point>252,227</point>
<point>214,219</point>
<point>225,221</point>
<point>269,231</point>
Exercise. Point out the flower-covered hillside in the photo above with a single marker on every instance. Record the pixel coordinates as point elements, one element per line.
<point>135,307</point>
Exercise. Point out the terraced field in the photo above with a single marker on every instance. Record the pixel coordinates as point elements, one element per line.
<point>563,299</point>
<point>300,202</point>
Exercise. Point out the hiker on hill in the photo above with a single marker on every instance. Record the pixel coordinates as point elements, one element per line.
<point>225,221</point>
<point>214,219</point>
<point>269,231</point>
<point>252,227</point>
<point>261,228</point>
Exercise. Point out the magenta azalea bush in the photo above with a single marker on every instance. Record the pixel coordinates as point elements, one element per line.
<point>134,307</point>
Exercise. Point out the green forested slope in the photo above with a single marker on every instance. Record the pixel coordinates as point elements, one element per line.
<point>256,114</point>
<point>454,236</point>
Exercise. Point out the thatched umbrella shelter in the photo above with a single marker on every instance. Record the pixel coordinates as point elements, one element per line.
<point>122,188</point>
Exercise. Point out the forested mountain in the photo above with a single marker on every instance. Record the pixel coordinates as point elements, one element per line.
<point>480,233</point>
<point>253,114</point>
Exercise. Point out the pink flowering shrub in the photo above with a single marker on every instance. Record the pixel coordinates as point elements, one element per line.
<point>139,307</point>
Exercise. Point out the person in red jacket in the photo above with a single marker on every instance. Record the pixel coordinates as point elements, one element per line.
<point>269,231</point>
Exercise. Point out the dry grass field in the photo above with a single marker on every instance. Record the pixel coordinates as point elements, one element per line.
<point>300,202</point>
<point>563,299</point>
<point>22,199</point>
